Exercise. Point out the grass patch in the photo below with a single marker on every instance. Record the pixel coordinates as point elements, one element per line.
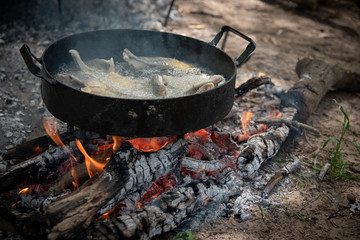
<point>335,158</point>
<point>299,216</point>
<point>262,210</point>
<point>186,236</point>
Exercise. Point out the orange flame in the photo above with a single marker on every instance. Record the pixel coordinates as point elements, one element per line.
<point>274,113</point>
<point>24,190</point>
<point>150,144</point>
<point>261,74</point>
<point>97,164</point>
<point>92,165</point>
<point>51,129</point>
<point>245,119</point>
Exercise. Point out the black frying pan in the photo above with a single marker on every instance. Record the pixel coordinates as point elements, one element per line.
<point>137,117</point>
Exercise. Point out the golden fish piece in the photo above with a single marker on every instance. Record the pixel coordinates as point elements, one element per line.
<point>158,85</point>
<point>115,85</point>
<point>160,62</point>
<point>99,64</point>
<point>205,87</point>
<point>191,83</point>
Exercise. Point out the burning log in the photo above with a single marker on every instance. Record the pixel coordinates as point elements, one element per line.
<point>263,146</point>
<point>126,173</point>
<point>162,214</point>
<point>67,180</point>
<point>35,169</point>
<point>34,147</point>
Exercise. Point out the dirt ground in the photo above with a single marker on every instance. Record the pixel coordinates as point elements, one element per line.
<point>308,209</point>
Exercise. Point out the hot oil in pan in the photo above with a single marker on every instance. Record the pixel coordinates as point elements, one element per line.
<point>125,81</point>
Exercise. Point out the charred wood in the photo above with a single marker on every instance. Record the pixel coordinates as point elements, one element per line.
<point>81,173</point>
<point>260,148</point>
<point>164,213</point>
<point>199,166</point>
<point>250,84</point>
<point>295,125</point>
<point>263,146</point>
<point>35,169</point>
<point>34,147</point>
<point>278,176</point>
<point>251,129</point>
<point>126,172</point>
<point>67,179</point>
<point>316,79</point>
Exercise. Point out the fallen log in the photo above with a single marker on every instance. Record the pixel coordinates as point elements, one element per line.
<point>316,79</point>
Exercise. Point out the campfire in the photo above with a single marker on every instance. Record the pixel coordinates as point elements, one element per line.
<point>87,184</point>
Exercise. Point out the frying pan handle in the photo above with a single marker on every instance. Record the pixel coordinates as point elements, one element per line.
<point>28,57</point>
<point>249,49</point>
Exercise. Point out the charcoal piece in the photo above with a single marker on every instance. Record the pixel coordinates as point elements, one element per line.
<point>35,169</point>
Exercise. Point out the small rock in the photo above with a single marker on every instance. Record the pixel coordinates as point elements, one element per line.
<point>2,76</point>
<point>46,42</point>
<point>8,134</point>
<point>265,228</point>
<point>32,103</point>
<point>351,198</point>
<point>9,147</point>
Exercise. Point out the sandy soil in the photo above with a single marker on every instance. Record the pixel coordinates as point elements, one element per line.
<point>283,35</point>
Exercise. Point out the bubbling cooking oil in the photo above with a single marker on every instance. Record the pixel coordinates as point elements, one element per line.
<point>135,83</point>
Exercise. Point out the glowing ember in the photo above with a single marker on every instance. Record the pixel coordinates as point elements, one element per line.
<point>203,135</point>
<point>160,186</point>
<point>150,144</point>
<point>206,200</point>
<point>114,212</point>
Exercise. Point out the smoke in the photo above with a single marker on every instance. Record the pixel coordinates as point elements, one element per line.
<point>68,16</point>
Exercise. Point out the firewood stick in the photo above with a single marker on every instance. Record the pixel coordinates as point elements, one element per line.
<point>280,175</point>
<point>323,171</point>
<point>250,84</point>
<point>67,179</point>
<point>292,124</point>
